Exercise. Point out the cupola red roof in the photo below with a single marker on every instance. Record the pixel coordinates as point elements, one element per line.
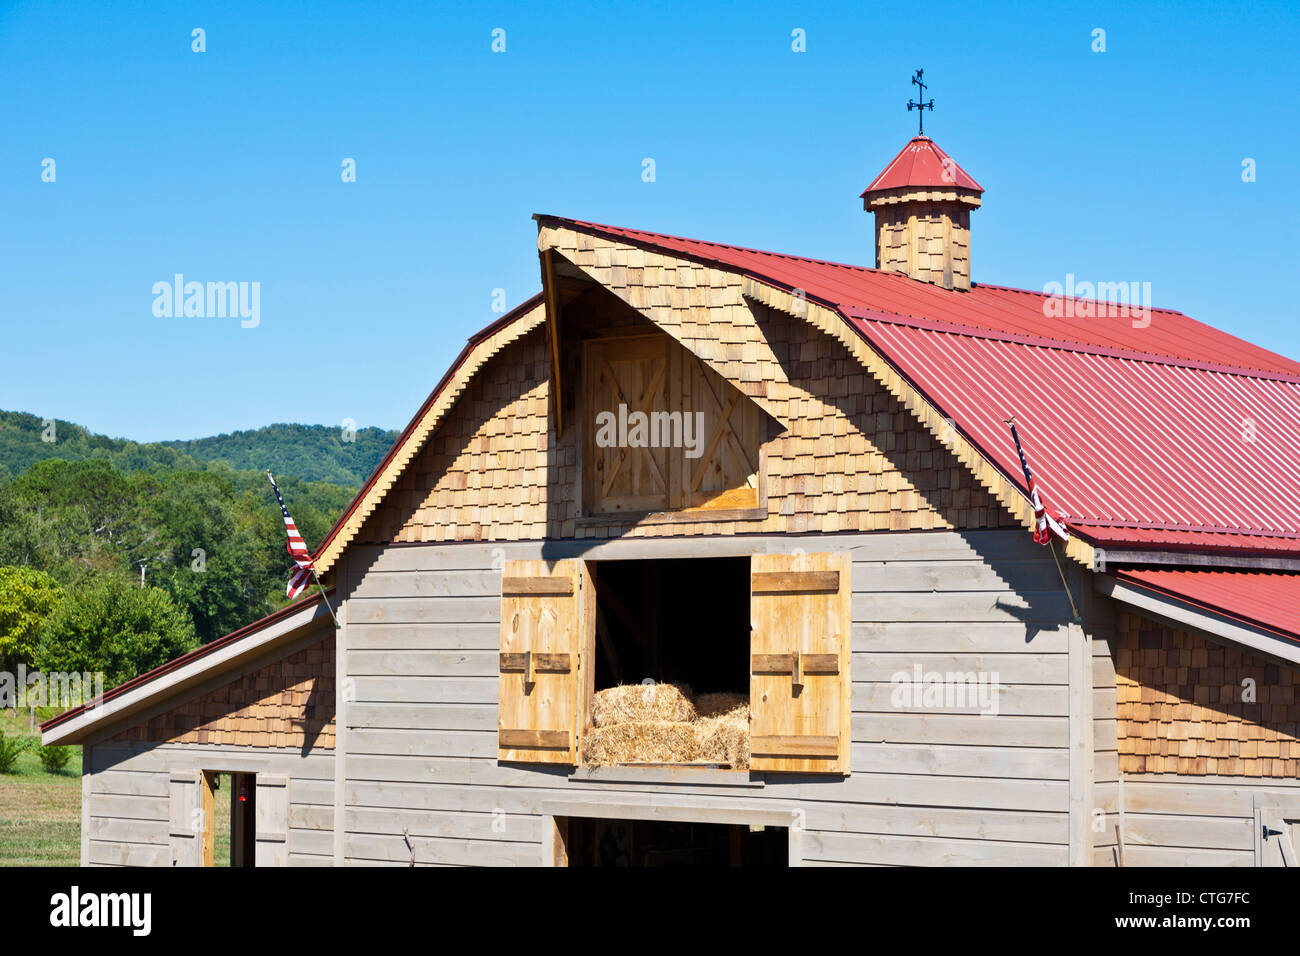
<point>922,163</point>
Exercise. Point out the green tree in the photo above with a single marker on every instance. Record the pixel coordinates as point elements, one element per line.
<point>111,625</point>
<point>80,514</point>
<point>27,599</point>
<point>210,554</point>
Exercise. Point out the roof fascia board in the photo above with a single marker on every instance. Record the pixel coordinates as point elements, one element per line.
<point>553,335</point>
<point>303,638</point>
<point>1185,615</point>
<point>1193,559</point>
<point>183,678</point>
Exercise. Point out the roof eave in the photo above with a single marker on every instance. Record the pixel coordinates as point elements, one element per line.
<point>1182,613</point>
<point>175,677</point>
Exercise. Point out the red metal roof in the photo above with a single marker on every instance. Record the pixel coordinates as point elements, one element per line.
<point>1148,431</point>
<point>922,163</point>
<point>1266,599</point>
<point>1118,440</point>
<point>990,308</point>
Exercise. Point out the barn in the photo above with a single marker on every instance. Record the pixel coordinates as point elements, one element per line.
<point>707,466</point>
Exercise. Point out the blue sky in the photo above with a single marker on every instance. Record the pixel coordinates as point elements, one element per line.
<point>225,166</point>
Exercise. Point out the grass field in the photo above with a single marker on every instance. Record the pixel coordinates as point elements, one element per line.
<point>40,813</point>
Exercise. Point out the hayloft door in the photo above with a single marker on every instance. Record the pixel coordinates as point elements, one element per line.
<point>538,693</point>
<point>799,691</point>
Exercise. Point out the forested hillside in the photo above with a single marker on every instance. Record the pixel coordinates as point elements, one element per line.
<point>116,556</point>
<point>308,452</point>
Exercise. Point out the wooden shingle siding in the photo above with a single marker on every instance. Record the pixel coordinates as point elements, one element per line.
<point>128,798</point>
<point>927,786</point>
<point>287,703</point>
<point>1181,706</point>
<point>850,457</point>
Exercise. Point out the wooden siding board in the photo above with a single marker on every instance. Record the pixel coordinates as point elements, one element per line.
<point>423,740</point>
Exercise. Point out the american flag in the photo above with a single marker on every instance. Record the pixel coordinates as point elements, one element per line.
<point>1045,525</point>
<point>302,575</point>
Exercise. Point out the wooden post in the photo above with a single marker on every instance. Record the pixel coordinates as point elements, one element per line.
<point>208,851</point>
<point>341,735</point>
<point>1082,742</point>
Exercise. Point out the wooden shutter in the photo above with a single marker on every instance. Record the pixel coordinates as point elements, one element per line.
<point>540,640</point>
<point>271,815</point>
<point>188,823</point>
<point>799,691</point>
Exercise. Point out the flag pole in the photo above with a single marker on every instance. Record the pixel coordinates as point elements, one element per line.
<point>324,597</point>
<point>1059,570</point>
<point>1036,502</point>
<point>315,577</point>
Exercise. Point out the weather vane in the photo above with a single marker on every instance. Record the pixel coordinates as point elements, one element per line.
<point>922,106</point>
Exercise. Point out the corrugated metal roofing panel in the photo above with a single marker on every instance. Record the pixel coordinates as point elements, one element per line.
<point>1114,439</point>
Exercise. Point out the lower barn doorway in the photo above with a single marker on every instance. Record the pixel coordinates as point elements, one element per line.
<point>591,842</point>
<point>230,824</point>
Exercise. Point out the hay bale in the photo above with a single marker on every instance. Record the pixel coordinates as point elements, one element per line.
<point>641,703</point>
<point>640,741</point>
<point>724,738</point>
<point>717,704</point>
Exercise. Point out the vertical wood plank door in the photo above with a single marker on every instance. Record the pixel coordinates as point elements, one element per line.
<point>686,438</point>
<point>800,616</point>
<point>539,681</point>
<point>207,797</point>
<point>1277,831</point>
<point>186,822</point>
<point>625,377</point>
<point>271,820</point>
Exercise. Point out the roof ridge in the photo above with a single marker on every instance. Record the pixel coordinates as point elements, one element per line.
<point>831,262</point>
<point>705,246</point>
<point>1072,298</point>
<point>723,245</point>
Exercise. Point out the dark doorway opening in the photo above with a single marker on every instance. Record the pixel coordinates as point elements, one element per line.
<point>636,843</point>
<point>680,621</point>
<point>231,838</point>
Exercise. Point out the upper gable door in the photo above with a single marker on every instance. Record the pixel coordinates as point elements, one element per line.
<point>663,432</point>
<point>626,381</point>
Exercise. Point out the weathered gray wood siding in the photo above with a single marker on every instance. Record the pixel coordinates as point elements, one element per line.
<point>1105,750</point>
<point>929,786</point>
<point>127,798</point>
